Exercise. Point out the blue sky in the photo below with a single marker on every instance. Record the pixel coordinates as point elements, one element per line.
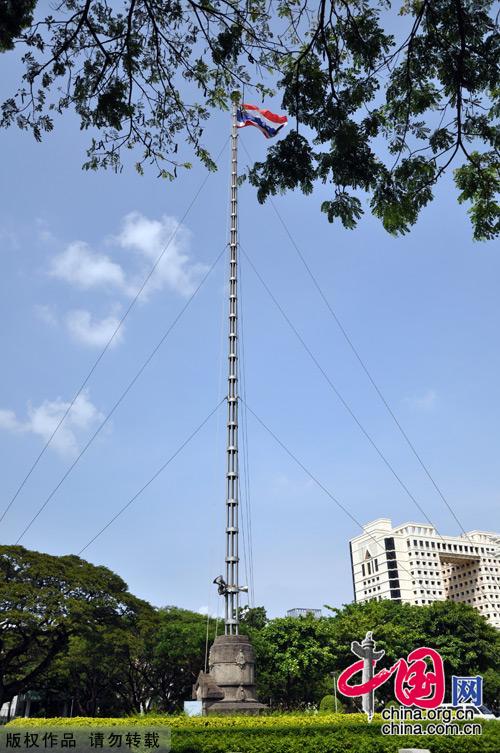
<point>423,311</point>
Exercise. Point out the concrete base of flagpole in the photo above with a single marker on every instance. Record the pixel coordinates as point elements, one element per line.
<point>229,687</point>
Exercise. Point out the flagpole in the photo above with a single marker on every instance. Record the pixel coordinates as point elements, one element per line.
<point>232,475</point>
<point>229,686</point>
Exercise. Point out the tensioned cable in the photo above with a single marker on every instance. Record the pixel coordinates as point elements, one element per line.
<point>369,375</point>
<point>306,470</point>
<point>245,486</point>
<point>153,477</point>
<point>372,381</point>
<point>246,458</point>
<point>242,487</point>
<point>331,496</point>
<point>122,396</point>
<point>210,582</point>
<point>245,528</point>
<point>217,619</point>
<point>246,465</point>
<point>111,339</point>
<point>245,537</point>
<point>206,638</point>
<point>343,401</point>
<point>336,391</point>
<point>219,394</point>
<point>363,364</point>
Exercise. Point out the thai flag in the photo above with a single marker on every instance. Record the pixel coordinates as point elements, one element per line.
<point>265,120</point>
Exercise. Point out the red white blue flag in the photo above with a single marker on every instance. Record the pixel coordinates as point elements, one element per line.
<point>265,120</point>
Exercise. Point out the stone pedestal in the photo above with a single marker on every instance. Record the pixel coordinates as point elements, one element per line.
<point>229,688</point>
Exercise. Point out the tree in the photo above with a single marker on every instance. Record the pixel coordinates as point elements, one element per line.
<point>491,690</point>
<point>467,643</point>
<point>294,657</point>
<point>140,674</point>
<point>377,119</point>
<point>439,101</point>
<point>15,16</point>
<point>179,655</point>
<point>149,663</point>
<point>253,618</point>
<point>84,678</point>
<point>110,673</point>
<point>45,602</point>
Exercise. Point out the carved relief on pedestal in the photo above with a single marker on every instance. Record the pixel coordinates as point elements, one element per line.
<point>240,660</point>
<point>241,695</point>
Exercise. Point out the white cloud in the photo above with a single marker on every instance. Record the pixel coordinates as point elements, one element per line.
<point>46,314</point>
<point>43,420</point>
<point>425,402</point>
<point>145,240</point>
<point>149,238</point>
<point>84,268</point>
<point>88,330</point>
<point>8,420</point>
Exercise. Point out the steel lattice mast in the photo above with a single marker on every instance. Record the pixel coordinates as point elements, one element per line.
<point>229,686</point>
<point>232,588</point>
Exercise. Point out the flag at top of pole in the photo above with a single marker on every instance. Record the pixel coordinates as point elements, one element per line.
<point>265,120</point>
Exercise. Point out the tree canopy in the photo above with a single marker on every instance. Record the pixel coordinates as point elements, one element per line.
<point>73,635</point>
<point>467,643</point>
<point>384,98</point>
<point>47,600</point>
<point>297,657</point>
<point>179,655</point>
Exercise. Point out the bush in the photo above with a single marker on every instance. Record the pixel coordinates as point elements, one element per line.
<point>329,704</point>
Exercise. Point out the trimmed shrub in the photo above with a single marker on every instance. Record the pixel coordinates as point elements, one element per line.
<point>286,733</point>
<point>329,704</point>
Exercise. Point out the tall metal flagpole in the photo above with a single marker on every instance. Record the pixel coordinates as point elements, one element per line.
<point>232,478</point>
<point>229,686</point>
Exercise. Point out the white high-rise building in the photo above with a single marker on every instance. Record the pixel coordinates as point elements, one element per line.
<point>413,563</point>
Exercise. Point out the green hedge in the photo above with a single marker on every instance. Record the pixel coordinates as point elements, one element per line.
<point>346,733</point>
<point>353,740</point>
<point>181,721</point>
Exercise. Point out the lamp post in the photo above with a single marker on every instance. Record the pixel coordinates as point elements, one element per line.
<point>334,676</point>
